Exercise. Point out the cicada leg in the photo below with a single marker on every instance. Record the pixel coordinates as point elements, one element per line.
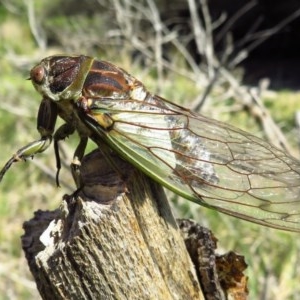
<point>26,152</point>
<point>61,133</point>
<point>46,120</point>
<point>78,155</point>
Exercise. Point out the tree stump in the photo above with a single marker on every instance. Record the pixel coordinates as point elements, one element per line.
<point>116,238</point>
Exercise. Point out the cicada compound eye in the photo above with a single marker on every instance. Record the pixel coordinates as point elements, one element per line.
<point>38,74</point>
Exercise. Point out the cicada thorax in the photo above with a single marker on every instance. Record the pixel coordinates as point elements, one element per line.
<point>106,83</point>
<point>106,80</point>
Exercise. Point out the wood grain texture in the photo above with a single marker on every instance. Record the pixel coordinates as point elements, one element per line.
<point>115,239</point>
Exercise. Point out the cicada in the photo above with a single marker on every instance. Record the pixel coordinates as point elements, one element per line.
<point>203,160</point>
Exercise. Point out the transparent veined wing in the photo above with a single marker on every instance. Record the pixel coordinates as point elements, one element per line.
<point>203,160</point>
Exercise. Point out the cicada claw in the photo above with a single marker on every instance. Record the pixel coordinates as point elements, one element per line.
<point>26,152</point>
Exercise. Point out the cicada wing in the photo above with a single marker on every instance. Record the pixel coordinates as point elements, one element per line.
<point>208,162</point>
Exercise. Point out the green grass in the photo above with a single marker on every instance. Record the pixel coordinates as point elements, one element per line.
<point>272,255</point>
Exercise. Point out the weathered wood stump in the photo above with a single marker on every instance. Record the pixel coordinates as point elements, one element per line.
<point>114,239</point>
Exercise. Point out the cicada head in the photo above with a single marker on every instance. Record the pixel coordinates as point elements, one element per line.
<point>61,77</point>
<point>69,77</point>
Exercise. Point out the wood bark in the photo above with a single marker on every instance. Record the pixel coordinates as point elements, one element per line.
<point>114,239</point>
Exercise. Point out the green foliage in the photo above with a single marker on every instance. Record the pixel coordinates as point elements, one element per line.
<point>283,106</point>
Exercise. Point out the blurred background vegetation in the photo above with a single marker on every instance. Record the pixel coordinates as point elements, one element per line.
<point>236,62</point>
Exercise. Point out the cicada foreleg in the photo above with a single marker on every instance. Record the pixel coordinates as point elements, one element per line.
<point>46,120</point>
<point>26,152</point>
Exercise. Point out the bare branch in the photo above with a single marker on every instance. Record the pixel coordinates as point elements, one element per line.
<point>260,37</point>
<point>158,51</point>
<point>203,34</point>
<point>35,29</point>
<point>228,25</point>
